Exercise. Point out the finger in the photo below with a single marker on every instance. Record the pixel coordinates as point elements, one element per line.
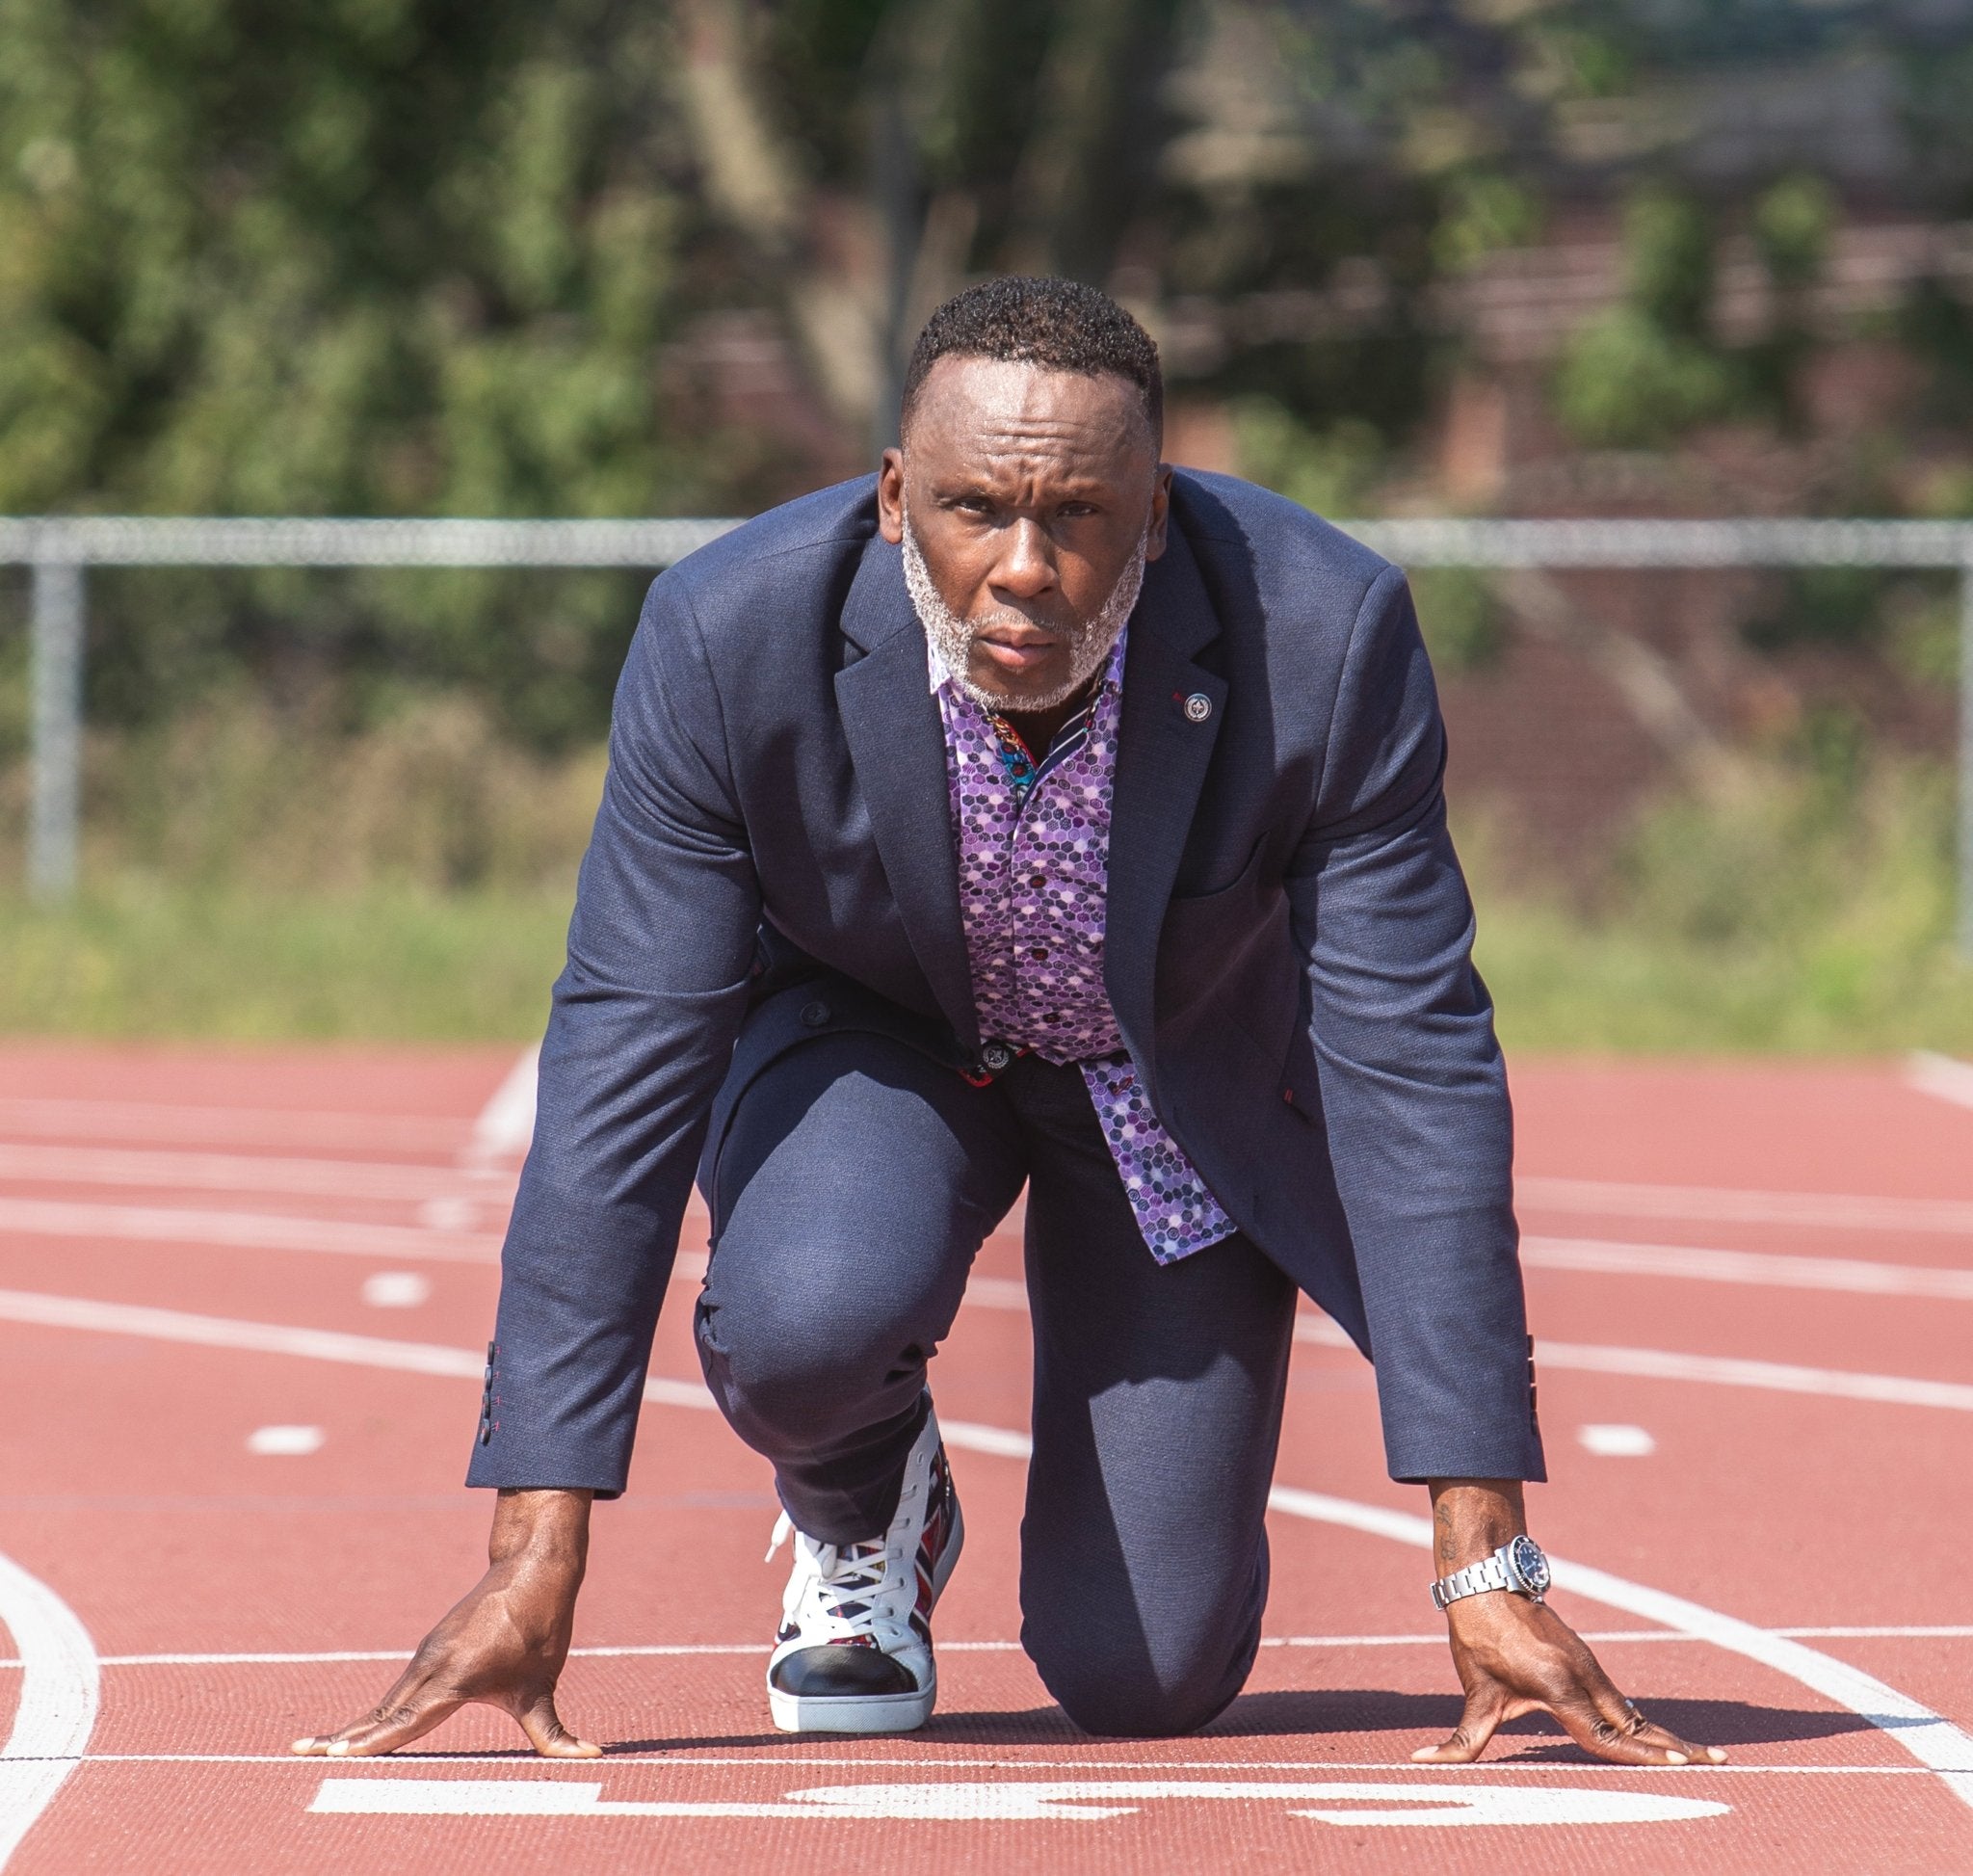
<point>1625,1716</point>
<point>1619,1717</point>
<point>1625,1743</point>
<point>383,1731</point>
<point>1484,1711</point>
<point>1648,1733</point>
<point>549,1737</point>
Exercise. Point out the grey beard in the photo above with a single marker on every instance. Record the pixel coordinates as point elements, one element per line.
<point>951,637</point>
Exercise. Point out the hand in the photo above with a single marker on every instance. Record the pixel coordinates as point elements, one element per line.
<point>502,1646</point>
<point>1515,1655</point>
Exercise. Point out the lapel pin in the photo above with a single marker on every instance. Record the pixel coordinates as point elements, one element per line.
<point>1198,706</point>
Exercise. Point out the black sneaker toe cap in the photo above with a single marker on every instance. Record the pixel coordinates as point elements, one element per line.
<point>839,1669</point>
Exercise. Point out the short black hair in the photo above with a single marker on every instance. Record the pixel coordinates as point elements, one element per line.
<point>1060,325</point>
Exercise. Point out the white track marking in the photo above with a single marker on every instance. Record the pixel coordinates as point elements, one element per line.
<point>223,1331</point>
<point>1613,1439</point>
<point>1931,1073</point>
<point>57,1709</point>
<point>1857,1276</point>
<point>330,1178</point>
<point>236,1127</point>
<point>1777,1377</point>
<point>1715,1205</point>
<point>425,1358</point>
<point>684,1758</point>
<point>286,1442</point>
<point>240,1231</point>
<point>331,1657</point>
<point>1726,1371</point>
<point>1933,1741</point>
<point>506,1126</point>
<point>1348,1803</point>
<point>396,1289</point>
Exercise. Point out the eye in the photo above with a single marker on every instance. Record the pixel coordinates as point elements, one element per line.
<point>1076,510</point>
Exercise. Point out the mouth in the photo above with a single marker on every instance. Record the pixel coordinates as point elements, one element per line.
<point>1016,648</point>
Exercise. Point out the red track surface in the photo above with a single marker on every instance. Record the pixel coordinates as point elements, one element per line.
<point>128,1490</point>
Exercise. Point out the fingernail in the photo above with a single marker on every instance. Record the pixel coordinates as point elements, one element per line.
<point>1676,1758</point>
<point>302,1744</point>
<point>1717,1754</point>
<point>338,1749</point>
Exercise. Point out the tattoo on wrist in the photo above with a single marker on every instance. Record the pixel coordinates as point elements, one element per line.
<point>1447,1548</point>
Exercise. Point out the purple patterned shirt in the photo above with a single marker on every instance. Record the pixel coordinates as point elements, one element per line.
<point>1034,850</point>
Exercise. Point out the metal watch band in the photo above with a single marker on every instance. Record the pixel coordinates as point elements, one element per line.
<point>1488,1573</point>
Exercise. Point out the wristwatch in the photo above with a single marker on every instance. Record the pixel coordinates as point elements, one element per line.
<point>1518,1565</point>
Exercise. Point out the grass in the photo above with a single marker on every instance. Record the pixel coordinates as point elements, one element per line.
<point>413,883</point>
<point>400,964</point>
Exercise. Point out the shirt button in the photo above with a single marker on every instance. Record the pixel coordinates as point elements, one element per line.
<point>1038,881</point>
<point>1039,953</point>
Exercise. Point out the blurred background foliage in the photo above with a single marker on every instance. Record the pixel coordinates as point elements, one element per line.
<point>577,257</point>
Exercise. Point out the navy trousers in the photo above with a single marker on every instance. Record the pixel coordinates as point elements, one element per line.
<point>849,1195</point>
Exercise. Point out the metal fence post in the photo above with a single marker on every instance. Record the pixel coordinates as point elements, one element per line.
<point>1965,848</point>
<point>56,757</point>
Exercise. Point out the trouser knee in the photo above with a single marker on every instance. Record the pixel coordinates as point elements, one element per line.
<point>1118,1691</point>
<point>794,1385</point>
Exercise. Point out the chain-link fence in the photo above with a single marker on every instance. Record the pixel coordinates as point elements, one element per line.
<point>60,551</point>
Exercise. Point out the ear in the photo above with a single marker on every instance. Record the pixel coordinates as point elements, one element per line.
<point>1161,512</point>
<point>890,496</point>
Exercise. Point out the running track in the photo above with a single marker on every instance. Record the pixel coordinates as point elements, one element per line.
<point>242,1298</point>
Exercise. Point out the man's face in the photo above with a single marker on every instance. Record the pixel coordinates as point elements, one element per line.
<point>1032,498</point>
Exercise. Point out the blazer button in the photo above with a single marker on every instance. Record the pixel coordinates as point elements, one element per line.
<point>996,1056</point>
<point>1198,706</point>
<point>815,1014</point>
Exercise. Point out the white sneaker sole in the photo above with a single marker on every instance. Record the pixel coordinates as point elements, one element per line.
<point>852,1712</point>
<point>871,1712</point>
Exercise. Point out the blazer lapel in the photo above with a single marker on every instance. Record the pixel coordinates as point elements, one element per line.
<point>897,743</point>
<point>1162,750</point>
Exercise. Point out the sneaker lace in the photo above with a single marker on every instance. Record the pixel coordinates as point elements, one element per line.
<point>844,1591</point>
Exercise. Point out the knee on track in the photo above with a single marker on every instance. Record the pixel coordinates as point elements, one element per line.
<point>1124,1697</point>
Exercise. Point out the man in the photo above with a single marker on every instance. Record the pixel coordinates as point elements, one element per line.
<point>1033,816</point>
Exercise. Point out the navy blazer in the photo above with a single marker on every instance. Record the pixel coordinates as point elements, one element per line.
<point>1287,950</point>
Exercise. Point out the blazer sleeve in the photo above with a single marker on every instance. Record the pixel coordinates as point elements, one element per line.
<point>641,1030</point>
<point>1413,1089</point>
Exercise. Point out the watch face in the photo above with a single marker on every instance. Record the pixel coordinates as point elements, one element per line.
<point>1531,1565</point>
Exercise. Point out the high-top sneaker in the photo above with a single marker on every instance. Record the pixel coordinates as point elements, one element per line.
<point>854,1652</point>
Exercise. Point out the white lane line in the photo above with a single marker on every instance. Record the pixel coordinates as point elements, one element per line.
<point>169,1170</point>
<point>223,1331</point>
<point>685,1758</point>
<point>1719,1370</point>
<point>56,1711</point>
<point>37,1118</point>
<point>1931,1073</point>
<point>1928,1738</point>
<point>426,1358</point>
<point>331,1657</point>
<point>1774,1377</point>
<point>240,1231</point>
<point>1771,1270</point>
<point>1715,1205</point>
<point>506,1126</point>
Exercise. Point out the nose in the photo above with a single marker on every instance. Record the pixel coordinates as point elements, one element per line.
<point>1026,567</point>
